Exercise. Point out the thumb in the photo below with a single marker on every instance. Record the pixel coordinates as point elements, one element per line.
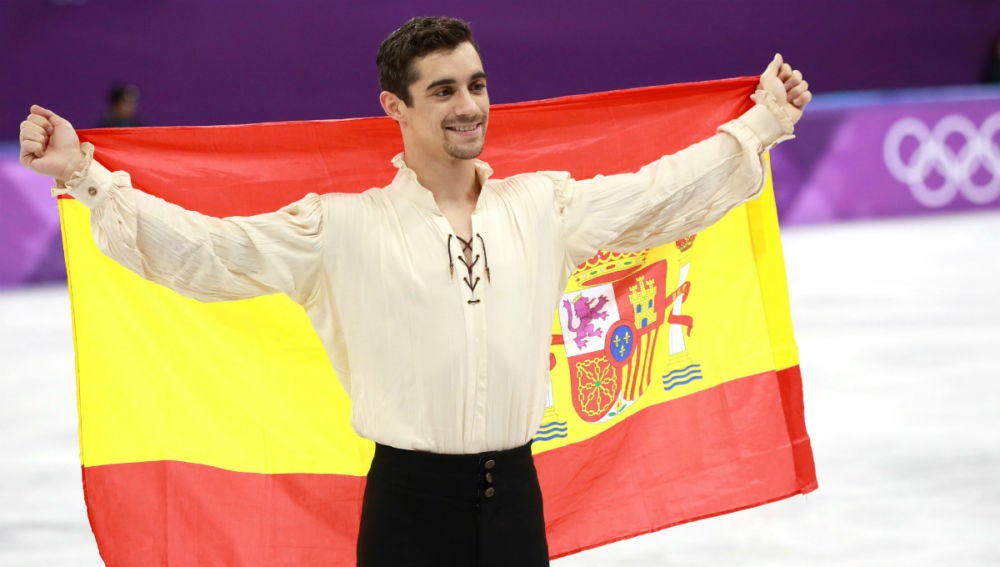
<point>774,66</point>
<point>53,118</point>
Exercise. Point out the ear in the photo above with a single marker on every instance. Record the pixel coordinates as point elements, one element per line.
<point>392,105</point>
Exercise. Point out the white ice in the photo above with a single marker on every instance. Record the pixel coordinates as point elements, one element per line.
<point>898,326</point>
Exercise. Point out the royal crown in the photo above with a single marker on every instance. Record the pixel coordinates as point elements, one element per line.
<point>605,267</point>
<point>685,244</point>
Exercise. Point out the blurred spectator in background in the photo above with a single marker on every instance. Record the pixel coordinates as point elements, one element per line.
<point>992,72</point>
<point>123,101</point>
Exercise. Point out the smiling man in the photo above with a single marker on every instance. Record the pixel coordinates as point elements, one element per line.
<point>442,106</point>
<point>452,407</point>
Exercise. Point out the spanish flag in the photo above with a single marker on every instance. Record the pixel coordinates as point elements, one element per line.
<point>217,434</point>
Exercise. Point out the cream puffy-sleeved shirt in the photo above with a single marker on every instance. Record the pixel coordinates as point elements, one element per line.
<point>462,367</point>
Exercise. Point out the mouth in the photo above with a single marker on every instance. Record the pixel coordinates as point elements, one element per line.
<point>465,129</point>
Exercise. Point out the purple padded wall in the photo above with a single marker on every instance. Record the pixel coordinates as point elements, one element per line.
<point>229,61</point>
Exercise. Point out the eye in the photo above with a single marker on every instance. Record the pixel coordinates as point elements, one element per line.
<point>477,87</point>
<point>443,92</point>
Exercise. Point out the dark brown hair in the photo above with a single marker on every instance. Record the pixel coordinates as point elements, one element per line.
<point>416,38</point>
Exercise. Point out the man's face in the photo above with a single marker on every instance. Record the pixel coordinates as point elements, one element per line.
<point>450,105</point>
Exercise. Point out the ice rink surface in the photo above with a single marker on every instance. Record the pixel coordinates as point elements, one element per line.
<point>898,327</point>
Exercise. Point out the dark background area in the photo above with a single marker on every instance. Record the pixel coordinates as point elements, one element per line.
<point>230,61</point>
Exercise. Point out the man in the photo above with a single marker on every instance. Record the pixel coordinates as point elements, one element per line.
<point>476,264</point>
<point>122,111</point>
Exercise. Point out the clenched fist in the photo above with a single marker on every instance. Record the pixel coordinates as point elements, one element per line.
<point>49,144</point>
<point>787,86</point>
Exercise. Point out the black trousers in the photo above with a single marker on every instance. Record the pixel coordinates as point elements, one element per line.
<point>425,509</point>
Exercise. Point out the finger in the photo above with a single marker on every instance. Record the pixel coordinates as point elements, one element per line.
<point>795,79</point>
<point>785,72</point>
<point>803,99</point>
<point>30,149</point>
<point>31,131</point>
<point>798,90</point>
<point>40,121</point>
<point>773,66</point>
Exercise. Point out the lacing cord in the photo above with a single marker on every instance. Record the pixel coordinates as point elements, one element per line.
<point>451,261</point>
<point>486,259</point>
<point>471,281</point>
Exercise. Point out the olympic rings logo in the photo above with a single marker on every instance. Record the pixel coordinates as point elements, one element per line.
<point>979,152</point>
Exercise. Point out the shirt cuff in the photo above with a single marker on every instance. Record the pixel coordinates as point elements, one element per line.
<point>90,184</point>
<point>766,122</point>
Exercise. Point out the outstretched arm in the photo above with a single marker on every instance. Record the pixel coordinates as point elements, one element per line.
<point>199,256</point>
<point>685,192</point>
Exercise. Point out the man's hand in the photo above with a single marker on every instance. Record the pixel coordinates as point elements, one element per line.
<point>787,86</point>
<point>49,144</point>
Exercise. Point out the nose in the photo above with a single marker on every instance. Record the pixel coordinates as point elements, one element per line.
<point>465,103</point>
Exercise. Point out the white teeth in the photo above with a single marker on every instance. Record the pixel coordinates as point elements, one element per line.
<point>469,128</point>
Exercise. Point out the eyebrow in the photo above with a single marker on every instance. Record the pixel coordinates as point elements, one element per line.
<point>450,81</point>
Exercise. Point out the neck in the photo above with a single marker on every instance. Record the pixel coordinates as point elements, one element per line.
<point>453,182</point>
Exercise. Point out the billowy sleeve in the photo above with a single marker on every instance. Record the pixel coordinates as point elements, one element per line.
<point>675,196</point>
<point>199,256</point>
